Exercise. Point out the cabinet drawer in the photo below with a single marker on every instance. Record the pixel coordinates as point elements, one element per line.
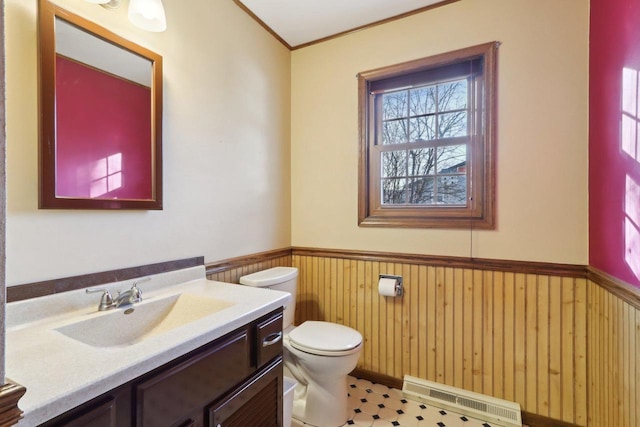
<point>269,339</point>
<point>164,399</point>
<point>256,403</point>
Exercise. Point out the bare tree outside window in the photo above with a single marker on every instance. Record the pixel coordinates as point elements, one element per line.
<point>423,120</point>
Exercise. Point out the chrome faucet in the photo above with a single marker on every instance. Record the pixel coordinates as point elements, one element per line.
<point>131,296</point>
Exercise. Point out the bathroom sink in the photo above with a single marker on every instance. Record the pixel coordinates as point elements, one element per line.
<point>131,324</point>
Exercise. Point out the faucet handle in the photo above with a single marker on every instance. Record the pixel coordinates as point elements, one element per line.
<point>106,301</point>
<point>136,291</point>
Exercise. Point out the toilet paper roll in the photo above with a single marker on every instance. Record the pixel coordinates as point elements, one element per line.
<point>387,287</point>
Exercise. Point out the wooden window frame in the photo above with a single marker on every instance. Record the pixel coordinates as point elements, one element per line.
<point>479,213</point>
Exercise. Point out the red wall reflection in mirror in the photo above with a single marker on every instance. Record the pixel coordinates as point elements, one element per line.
<point>103,136</point>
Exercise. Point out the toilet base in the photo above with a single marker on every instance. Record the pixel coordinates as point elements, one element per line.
<point>321,404</point>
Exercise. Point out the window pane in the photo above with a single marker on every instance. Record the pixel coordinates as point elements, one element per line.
<point>452,159</point>
<point>452,124</point>
<point>452,190</point>
<point>421,191</point>
<point>421,162</point>
<point>422,128</point>
<point>422,101</point>
<point>393,164</point>
<point>394,105</point>
<point>452,96</point>
<point>394,132</point>
<point>393,191</point>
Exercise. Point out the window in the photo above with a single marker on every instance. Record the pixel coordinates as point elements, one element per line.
<point>426,142</point>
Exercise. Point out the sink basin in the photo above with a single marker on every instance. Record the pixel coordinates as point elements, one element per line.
<point>133,323</point>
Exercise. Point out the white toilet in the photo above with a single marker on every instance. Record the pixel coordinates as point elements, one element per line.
<point>319,355</point>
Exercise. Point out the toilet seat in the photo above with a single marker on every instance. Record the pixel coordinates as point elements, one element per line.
<point>325,339</point>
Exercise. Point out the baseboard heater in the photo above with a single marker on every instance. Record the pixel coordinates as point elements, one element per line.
<point>475,405</point>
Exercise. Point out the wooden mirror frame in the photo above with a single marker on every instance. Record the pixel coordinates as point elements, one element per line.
<point>48,195</point>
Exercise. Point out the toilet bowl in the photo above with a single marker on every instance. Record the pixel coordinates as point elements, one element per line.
<point>318,355</point>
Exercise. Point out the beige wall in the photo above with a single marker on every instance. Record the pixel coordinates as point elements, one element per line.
<point>226,148</point>
<point>542,130</point>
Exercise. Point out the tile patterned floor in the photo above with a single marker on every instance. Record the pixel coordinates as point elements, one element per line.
<point>375,405</point>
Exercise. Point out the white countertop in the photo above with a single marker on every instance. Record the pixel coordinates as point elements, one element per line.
<point>61,373</point>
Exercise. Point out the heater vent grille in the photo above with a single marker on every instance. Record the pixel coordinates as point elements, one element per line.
<point>479,406</point>
<point>442,395</point>
<point>473,404</point>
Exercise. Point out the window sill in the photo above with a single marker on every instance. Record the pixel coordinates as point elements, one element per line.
<point>425,222</point>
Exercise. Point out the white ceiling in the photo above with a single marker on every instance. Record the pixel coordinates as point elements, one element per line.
<point>298,22</point>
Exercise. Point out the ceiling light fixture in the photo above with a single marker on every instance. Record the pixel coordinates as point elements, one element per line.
<point>113,4</point>
<point>146,14</point>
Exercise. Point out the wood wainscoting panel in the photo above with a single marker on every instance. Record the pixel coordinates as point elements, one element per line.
<point>514,335</point>
<point>230,270</point>
<point>613,326</point>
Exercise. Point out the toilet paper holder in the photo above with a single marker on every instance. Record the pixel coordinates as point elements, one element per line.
<point>398,279</point>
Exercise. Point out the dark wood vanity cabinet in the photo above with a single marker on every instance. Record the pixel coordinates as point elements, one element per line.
<point>235,380</point>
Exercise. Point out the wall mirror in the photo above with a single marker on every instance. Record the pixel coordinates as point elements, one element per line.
<point>100,117</point>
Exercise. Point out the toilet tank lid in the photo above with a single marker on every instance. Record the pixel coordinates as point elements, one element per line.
<point>270,277</point>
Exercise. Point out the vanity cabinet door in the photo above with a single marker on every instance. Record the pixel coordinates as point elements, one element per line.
<point>169,397</point>
<point>102,415</point>
<point>256,403</point>
<point>111,410</point>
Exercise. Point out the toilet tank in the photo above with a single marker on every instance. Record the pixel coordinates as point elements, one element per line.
<point>281,279</point>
